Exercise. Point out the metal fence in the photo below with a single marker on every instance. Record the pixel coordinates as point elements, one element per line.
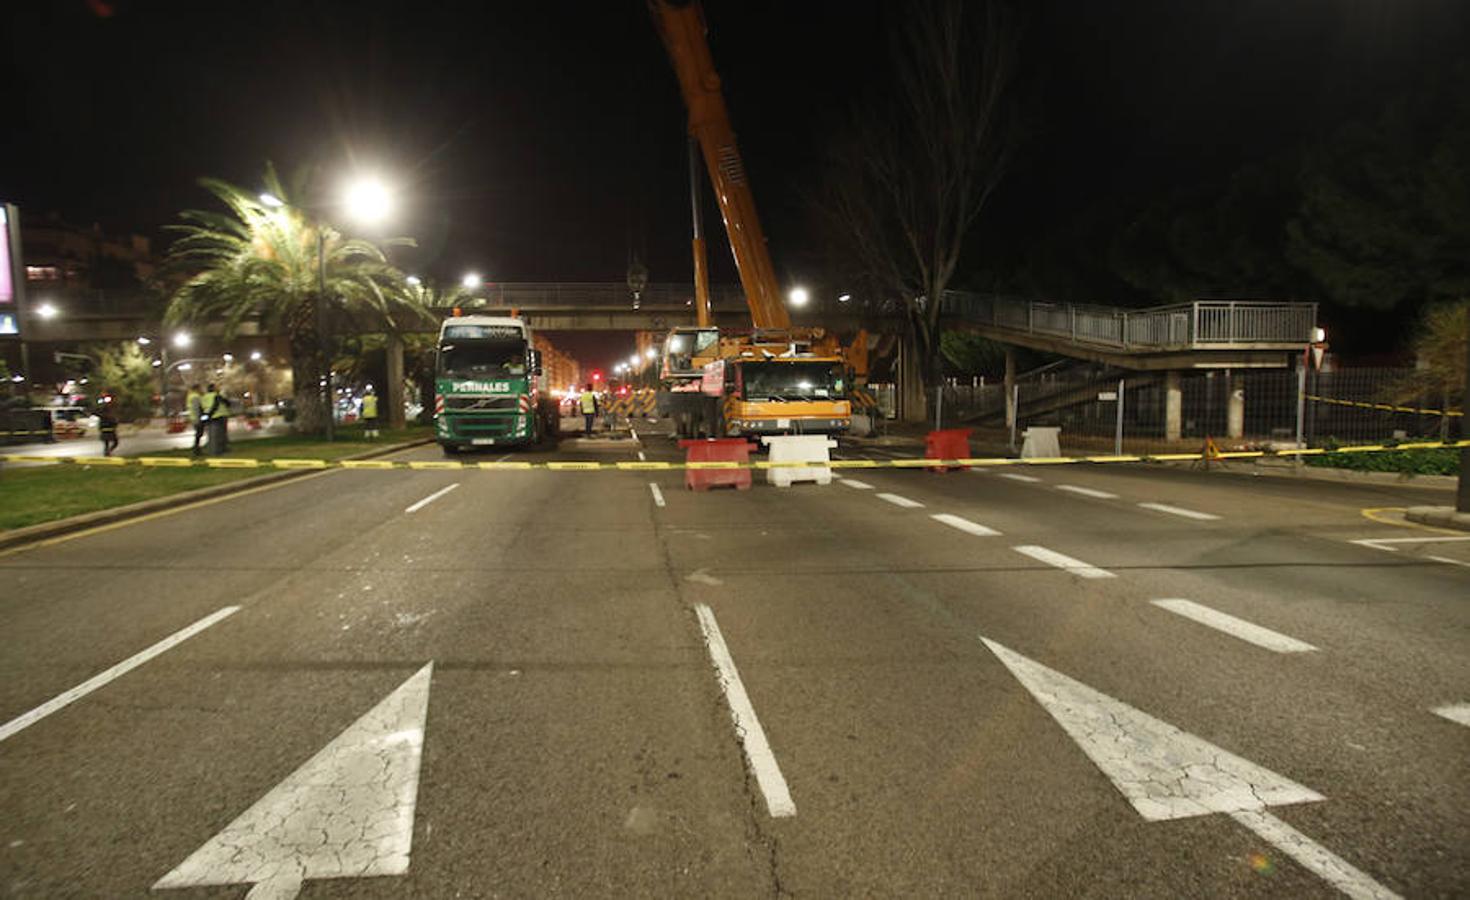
<point>1346,406</point>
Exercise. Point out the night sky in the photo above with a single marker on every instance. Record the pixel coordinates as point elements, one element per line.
<point>545,141</point>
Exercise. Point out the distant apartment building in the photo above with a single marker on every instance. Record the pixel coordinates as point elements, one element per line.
<point>64,256</point>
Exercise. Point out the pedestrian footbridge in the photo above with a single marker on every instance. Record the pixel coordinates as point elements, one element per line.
<point>1204,334</point>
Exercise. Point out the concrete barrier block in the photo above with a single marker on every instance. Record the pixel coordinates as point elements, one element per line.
<point>799,448</point>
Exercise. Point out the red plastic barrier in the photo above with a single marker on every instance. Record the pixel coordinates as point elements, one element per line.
<point>736,450</point>
<point>948,443</point>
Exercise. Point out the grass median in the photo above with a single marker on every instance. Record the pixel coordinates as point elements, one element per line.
<point>45,493</point>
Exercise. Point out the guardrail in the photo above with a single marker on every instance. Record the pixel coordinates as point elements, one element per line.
<point>1203,324</point>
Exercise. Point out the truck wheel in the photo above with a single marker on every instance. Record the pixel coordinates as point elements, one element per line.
<point>449,449</point>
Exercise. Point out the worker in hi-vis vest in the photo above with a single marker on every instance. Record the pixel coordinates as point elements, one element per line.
<point>589,405</point>
<point>194,410</point>
<point>217,413</point>
<point>370,414</point>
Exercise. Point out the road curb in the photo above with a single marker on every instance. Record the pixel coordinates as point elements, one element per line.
<point>30,534</point>
<point>1439,516</point>
<point>1330,473</point>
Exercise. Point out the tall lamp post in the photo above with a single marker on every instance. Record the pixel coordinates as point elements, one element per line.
<point>367,201</point>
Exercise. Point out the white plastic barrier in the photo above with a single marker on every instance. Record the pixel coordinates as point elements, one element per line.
<point>796,448</point>
<point>1041,442</point>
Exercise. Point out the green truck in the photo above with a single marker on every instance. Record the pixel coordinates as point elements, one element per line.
<point>488,389</point>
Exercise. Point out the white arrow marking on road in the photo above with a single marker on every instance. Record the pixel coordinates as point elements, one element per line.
<point>1455,712</point>
<point>1167,773</point>
<point>346,813</point>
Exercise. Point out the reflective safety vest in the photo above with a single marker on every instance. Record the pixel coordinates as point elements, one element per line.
<point>589,403</point>
<point>206,403</point>
<point>370,406</point>
<point>193,405</point>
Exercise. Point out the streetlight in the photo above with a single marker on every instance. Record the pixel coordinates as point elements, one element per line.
<point>413,280</point>
<point>47,310</point>
<point>144,341</point>
<point>228,358</point>
<point>271,200</point>
<point>183,340</point>
<point>798,297</point>
<point>255,356</point>
<point>471,280</point>
<point>651,353</point>
<point>843,298</point>
<point>367,200</point>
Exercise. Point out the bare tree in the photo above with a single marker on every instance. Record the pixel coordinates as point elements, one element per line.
<point>907,186</point>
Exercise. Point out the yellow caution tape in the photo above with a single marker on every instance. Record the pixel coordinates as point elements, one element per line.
<point>1386,407</point>
<point>184,462</point>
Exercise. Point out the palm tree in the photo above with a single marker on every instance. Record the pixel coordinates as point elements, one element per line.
<point>265,263</point>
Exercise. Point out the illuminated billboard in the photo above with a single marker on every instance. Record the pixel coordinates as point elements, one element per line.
<point>10,281</point>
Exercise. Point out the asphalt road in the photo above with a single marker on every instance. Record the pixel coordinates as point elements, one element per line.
<point>523,685</point>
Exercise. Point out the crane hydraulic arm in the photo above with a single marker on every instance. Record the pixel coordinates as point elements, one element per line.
<point>681,25</point>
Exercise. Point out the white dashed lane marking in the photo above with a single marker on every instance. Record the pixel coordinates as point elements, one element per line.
<point>658,495</point>
<point>858,485</point>
<point>1087,491</point>
<point>896,500</point>
<point>747,727</point>
<point>60,701</point>
<point>1240,628</point>
<point>964,525</point>
<point>1017,476</point>
<point>1062,561</point>
<point>1180,511</point>
<point>431,498</point>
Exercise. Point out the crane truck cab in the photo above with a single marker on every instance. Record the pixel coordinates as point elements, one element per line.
<point>487,385</point>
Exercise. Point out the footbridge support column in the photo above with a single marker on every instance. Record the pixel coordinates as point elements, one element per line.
<point>1234,406</point>
<point>1173,406</point>
<point>1010,389</point>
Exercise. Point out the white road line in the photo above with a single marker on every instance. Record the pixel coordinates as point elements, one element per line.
<point>1377,543</point>
<point>1087,491</point>
<point>747,727</point>
<point>1446,559</point>
<point>431,498</point>
<point>1180,511</point>
<point>1017,476</point>
<point>503,458</point>
<point>658,495</point>
<point>854,483</point>
<point>1246,631</point>
<point>1062,561</point>
<point>896,500</point>
<point>1455,712</point>
<point>26,720</point>
<point>1312,856</point>
<point>641,457</point>
<point>964,525</point>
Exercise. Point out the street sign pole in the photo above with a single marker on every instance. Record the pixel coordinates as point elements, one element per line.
<point>1118,431</point>
<point>1462,496</point>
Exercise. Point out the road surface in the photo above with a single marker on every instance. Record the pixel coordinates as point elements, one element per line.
<point>1091,682</point>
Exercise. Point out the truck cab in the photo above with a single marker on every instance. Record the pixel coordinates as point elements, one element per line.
<point>487,384</point>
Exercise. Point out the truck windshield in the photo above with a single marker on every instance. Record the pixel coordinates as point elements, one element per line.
<point>464,359</point>
<point>792,381</point>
